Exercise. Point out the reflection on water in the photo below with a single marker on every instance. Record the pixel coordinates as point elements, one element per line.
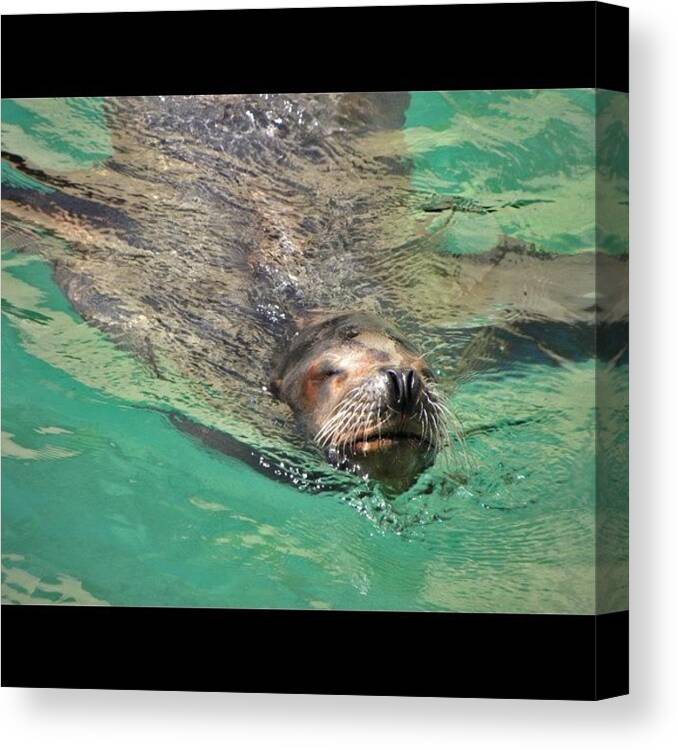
<point>188,233</point>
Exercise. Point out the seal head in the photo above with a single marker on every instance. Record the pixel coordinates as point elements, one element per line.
<point>363,395</point>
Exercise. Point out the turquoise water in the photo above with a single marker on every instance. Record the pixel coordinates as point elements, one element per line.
<point>105,501</point>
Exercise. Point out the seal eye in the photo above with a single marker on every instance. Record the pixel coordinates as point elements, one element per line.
<point>329,372</point>
<point>428,374</point>
<point>325,372</point>
<point>350,332</point>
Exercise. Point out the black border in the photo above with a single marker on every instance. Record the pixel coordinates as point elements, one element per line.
<point>582,657</point>
<point>403,48</point>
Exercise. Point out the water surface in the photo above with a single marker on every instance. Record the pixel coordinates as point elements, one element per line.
<point>106,501</point>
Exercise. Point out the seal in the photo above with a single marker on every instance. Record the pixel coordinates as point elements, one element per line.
<point>363,395</point>
<point>215,221</point>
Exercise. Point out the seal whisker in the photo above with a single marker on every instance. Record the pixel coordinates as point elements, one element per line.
<point>379,419</point>
<point>345,424</point>
<point>331,423</point>
<point>366,422</point>
<point>338,416</point>
<point>423,416</point>
<point>356,429</point>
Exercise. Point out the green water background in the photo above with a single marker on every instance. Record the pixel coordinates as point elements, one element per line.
<point>105,501</point>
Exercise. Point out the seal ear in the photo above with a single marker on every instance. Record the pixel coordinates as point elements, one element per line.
<point>274,386</point>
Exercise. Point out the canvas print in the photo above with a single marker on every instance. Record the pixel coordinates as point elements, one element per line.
<point>346,351</point>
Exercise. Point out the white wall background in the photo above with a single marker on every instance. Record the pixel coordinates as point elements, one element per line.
<point>647,718</point>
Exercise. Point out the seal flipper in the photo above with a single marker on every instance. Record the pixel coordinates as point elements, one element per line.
<point>107,313</point>
<point>516,303</point>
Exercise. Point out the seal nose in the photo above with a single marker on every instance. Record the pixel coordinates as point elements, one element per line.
<point>404,387</point>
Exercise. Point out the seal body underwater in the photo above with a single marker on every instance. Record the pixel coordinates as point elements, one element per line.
<point>213,222</point>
